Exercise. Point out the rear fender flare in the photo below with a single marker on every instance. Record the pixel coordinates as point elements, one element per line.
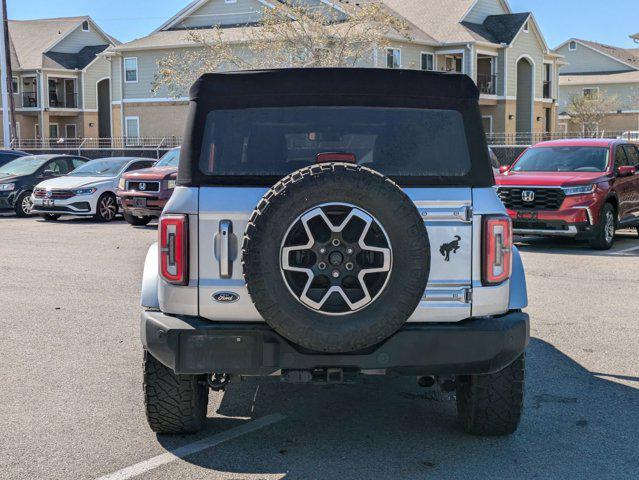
<point>149,297</point>
<point>518,290</point>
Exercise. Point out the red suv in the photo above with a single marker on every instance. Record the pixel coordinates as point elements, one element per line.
<point>573,188</point>
<point>142,194</point>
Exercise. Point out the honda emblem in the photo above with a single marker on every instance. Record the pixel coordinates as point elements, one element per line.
<point>142,186</point>
<point>528,195</point>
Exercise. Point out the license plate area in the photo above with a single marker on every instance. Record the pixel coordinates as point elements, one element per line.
<point>527,216</point>
<point>48,203</point>
<point>139,202</point>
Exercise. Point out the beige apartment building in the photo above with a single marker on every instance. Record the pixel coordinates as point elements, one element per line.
<point>503,52</point>
<point>593,70</point>
<point>61,84</point>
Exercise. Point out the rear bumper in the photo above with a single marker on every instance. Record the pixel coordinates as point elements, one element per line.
<point>190,345</point>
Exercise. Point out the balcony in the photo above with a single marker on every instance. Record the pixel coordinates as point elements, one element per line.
<point>547,89</point>
<point>26,100</point>
<point>487,84</point>
<point>67,100</point>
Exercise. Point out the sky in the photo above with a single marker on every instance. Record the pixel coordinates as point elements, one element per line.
<point>605,21</point>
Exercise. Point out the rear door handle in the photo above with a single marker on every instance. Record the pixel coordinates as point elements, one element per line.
<point>225,232</point>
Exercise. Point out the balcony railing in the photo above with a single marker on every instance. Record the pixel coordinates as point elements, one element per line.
<point>547,89</point>
<point>29,100</point>
<point>69,100</point>
<point>487,84</point>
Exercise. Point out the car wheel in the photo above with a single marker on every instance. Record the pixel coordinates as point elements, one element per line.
<point>603,235</point>
<point>23,205</point>
<point>49,217</point>
<point>107,208</point>
<point>336,258</point>
<point>174,403</point>
<point>491,405</point>
<point>136,221</point>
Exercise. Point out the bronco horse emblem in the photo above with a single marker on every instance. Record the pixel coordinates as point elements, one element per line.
<point>447,248</point>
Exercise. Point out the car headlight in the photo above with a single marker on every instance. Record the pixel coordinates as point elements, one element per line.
<point>170,184</point>
<point>579,190</point>
<point>84,191</point>
<point>7,187</point>
<point>122,184</point>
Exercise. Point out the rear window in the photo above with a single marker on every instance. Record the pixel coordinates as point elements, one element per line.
<point>273,142</point>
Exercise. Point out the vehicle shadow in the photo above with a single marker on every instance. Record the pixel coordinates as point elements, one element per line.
<point>626,241</point>
<point>576,425</point>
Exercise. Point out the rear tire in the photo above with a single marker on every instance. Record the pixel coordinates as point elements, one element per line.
<point>107,208</point>
<point>174,404</point>
<point>23,205</point>
<point>491,405</point>
<point>136,221</point>
<point>603,235</point>
<point>49,217</point>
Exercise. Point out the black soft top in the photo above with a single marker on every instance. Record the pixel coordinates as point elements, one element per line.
<point>319,87</point>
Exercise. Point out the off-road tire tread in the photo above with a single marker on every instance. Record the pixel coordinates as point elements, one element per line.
<point>491,405</point>
<point>270,309</point>
<point>175,404</point>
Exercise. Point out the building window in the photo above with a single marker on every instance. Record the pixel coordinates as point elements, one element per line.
<point>454,63</point>
<point>572,46</point>
<point>70,130</point>
<point>53,130</point>
<point>15,85</point>
<point>428,62</point>
<point>85,26</point>
<point>131,70</point>
<point>591,93</point>
<point>487,121</point>
<point>393,58</point>
<point>132,130</point>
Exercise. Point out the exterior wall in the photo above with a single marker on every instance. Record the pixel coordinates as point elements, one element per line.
<point>411,55</point>
<point>483,9</point>
<point>218,12</point>
<point>613,124</point>
<point>63,121</point>
<point>116,120</point>
<point>158,119</point>
<point>627,93</point>
<point>526,44</point>
<point>88,119</point>
<point>147,67</point>
<point>96,71</point>
<point>585,59</point>
<point>77,40</point>
<point>116,78</point>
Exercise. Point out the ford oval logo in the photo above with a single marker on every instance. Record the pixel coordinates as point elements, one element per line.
<point>226,297</point>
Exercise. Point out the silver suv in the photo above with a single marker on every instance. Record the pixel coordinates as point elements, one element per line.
<point>332,223</point>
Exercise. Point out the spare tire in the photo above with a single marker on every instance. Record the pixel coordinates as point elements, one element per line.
<point>336,257</point>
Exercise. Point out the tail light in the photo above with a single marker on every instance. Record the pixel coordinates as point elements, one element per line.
<point>497,254</point>
<point>174,246</point>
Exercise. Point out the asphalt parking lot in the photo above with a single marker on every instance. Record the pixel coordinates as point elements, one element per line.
<point>71,397</point>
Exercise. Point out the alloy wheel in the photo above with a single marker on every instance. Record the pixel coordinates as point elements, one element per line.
<point>107,208</point>
<point>609,228</point>
<point>27,205</point>
<point>336,259</point>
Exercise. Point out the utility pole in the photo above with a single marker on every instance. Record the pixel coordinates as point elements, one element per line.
<point>7,49</point>
<point>8,106</point>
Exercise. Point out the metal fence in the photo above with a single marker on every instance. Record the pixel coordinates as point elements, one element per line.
<point>153,147</point>
<point>507,146</point>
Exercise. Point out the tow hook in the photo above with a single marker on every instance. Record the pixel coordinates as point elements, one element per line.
<point>218,381</point>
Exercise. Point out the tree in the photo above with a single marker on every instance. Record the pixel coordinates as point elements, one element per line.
<point>290,34</point>
<point>590,108</point>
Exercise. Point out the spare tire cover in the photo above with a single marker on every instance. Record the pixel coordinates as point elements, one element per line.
<point>336,257</point>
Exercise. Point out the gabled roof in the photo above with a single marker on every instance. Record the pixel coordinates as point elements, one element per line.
<point>629,57</point>
<point>30,39</point>
<point>499,28</point>
<point>73,61</point>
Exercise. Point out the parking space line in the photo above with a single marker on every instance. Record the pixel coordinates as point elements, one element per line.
<point>191,448</point>
<point>627,250</point>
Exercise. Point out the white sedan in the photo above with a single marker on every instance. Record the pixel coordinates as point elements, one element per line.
<point>88,190</point>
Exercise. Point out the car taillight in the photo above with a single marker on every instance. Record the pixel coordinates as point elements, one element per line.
<point>497,249</point>
<point>174,247</point>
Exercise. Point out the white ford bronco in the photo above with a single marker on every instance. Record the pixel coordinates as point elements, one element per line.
<point>332,223</point>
